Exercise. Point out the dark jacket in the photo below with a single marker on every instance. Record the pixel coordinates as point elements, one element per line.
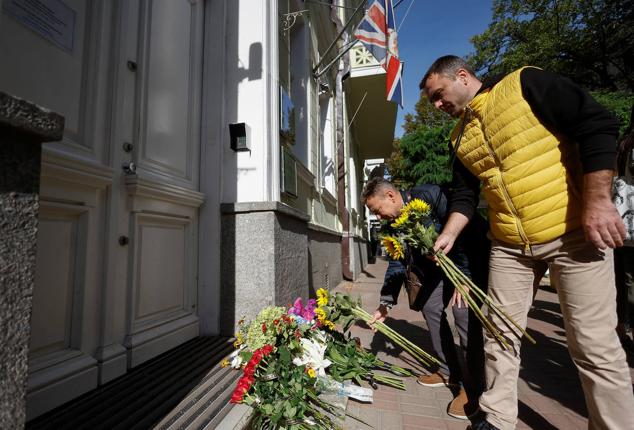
<point>470,251</point>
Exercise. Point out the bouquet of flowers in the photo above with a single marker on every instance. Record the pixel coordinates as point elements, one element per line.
<point>415,228</point>
<point>291,356</point>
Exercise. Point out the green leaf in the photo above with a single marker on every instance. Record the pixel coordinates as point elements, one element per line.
<point>290,411</point>
<point>285,355</point>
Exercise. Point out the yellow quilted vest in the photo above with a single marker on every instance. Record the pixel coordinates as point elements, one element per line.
<point>530,177</point>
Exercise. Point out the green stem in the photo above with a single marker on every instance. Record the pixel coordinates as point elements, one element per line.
<point>495,332</point>
<point>407,345</point>
<point>485,298</point>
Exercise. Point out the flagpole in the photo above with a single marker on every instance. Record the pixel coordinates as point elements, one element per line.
<point>348,47</point>
<point>321,60</point>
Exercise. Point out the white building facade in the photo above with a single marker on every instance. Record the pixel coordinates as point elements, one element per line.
<point>153,229</point>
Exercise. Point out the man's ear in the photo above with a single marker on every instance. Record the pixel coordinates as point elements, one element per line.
<point>390,194</point>
<point>463,76</point>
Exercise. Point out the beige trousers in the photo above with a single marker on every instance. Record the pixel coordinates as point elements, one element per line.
<point>584,276</point>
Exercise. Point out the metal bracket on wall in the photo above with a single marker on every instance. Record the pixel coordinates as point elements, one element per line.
<point>289,19</point>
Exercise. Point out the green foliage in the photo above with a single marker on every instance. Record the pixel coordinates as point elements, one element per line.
<point>619,103</point>
<point>590,41</point>
<point>424,114</point>
<point>421,157</point>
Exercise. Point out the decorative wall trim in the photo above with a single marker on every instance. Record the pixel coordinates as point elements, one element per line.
<point>322,229</point>
<point>69,169</point>
<point>137,339</point>
<point>328,198</point>
<point>246,207</point>
<point>76,362</point>
<point>304,173</point>
<point>141,187</point>
<point>56,385</point>
<point>147,345</point>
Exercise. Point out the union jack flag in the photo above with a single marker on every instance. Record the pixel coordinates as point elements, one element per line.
<point>377,33</point>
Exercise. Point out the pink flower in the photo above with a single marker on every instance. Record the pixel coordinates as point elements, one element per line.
<point>297,308</point>
<point>309,311</point>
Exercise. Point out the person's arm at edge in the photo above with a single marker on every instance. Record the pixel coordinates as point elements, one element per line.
<point>456,222</point>
<point>392,282</point>
<point>462,202</point>
<point>568,109</point>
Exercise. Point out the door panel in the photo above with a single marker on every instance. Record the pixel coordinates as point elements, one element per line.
<point>161,271</point>
<point>53,305</point>
<point>168,109</point>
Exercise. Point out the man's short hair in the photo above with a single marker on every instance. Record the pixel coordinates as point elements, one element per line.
<point>374,186</point>
<point>447,65</point>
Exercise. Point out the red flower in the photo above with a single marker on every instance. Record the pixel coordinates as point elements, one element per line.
<point>263,327</point>
<point>244,384</point>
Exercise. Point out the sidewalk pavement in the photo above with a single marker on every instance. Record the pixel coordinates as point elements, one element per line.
<point>550,394</point>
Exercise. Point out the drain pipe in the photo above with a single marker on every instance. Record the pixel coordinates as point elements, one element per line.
<point>341,157</point>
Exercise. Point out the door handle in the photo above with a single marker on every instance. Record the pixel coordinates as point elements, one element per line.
<point>129,168</point>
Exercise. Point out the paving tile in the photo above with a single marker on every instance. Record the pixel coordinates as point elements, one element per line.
<point>457,424</point>
<point>419,422</point>
<point>423,410</point>
<point>390,421</point>
<point>369,415</point>
<point>560,421</point>
<point>385,405</point>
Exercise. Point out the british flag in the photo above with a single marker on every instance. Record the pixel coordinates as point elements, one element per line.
<point>377,33</point>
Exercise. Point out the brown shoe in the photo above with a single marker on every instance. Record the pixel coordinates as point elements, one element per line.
<point>435,379</point>
<point>461,407</point>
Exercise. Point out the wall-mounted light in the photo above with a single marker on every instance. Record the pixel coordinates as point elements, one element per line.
<point>240,136</point>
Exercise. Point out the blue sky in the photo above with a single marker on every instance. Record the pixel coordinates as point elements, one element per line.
<point>432,29</point>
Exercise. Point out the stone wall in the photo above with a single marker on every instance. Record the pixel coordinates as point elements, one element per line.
<point>359,255</point>
<point>264,257</point>
<point>23,127</point>
<point>324,259</point>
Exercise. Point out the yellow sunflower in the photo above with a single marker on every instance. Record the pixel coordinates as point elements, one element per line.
<point>321,314</point>
<point>402,219</point>
<point>224,363</point>
<point>419,206</point>
<point>322,297</point>
<point>393,247</point>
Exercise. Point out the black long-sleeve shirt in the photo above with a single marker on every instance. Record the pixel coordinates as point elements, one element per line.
<point>565,109</point>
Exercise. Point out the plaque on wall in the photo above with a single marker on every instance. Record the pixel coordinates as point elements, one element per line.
<point>51,19</point>
<point>287,117</point>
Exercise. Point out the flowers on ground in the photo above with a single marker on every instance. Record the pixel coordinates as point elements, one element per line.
<point>290,356</point>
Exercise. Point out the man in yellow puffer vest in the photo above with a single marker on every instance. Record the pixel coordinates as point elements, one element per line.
<point>544,152</point>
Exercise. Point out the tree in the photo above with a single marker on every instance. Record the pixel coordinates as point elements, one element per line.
<point>590,41</point>
<point>421,156</point>
<point>620,103</point>
<point>424,114</point>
